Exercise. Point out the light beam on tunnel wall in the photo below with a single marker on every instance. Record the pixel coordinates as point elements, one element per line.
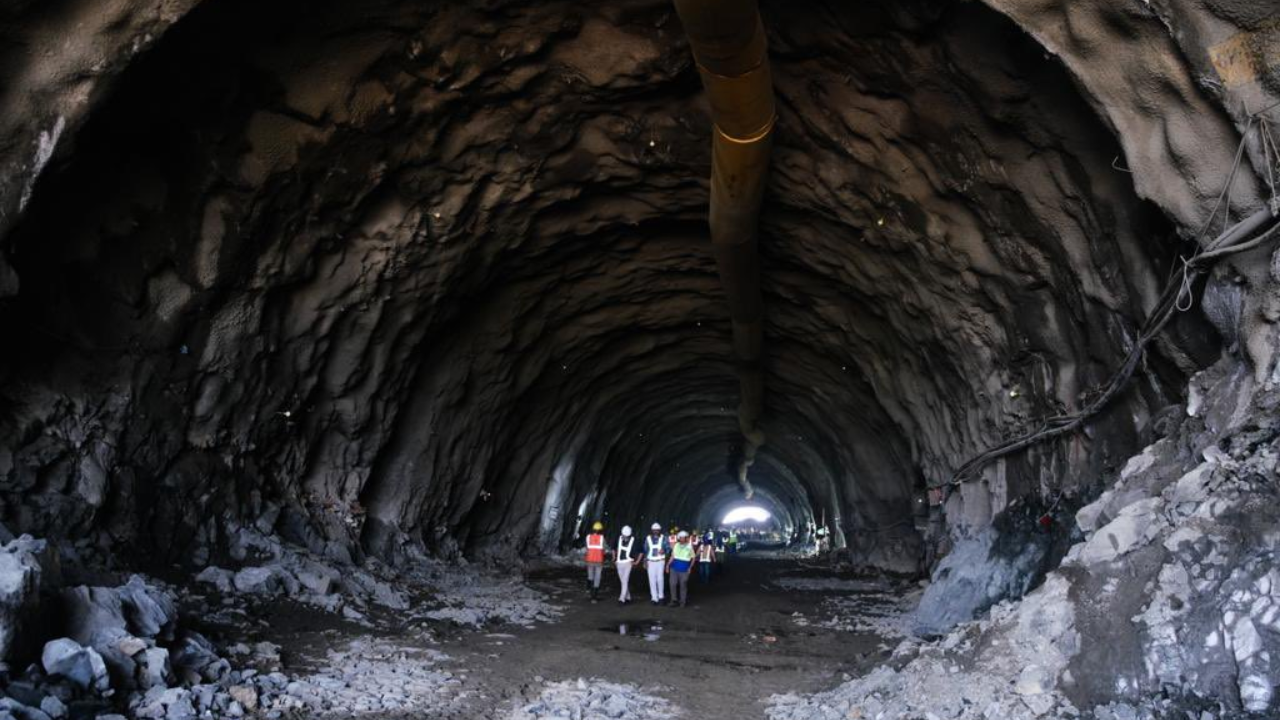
<point>553,509</point>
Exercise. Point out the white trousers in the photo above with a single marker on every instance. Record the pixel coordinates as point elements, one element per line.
<point>656,579</point>
<point>624,575</point>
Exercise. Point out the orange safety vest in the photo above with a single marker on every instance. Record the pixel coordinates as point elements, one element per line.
<point>705,553</point>
<point>595,548</point>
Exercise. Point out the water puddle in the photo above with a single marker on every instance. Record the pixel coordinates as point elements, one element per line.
<point>647,630</point>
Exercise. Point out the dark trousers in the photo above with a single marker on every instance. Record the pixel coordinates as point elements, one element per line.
<point>679,587</point>
<point>704,571</point>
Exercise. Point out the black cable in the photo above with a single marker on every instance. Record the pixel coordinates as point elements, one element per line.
<point>1228,243</point>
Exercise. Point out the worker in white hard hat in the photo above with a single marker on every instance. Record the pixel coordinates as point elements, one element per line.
<point>625,560</point>
<point>679,566</point>
<point>655,561</point>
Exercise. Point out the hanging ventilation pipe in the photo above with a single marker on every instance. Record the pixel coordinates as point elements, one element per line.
<point>728,42</point>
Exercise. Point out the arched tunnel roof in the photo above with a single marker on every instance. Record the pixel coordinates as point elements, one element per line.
<point>440,272</point>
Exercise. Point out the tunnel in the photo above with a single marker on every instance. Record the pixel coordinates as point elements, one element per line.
<point>332,330</point>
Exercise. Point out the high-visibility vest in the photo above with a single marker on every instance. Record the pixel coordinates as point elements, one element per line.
<point>654,548</point>
<point>706,553</point>
<point>624,548</point>
<point>681,557</point>
<point>595,548</point>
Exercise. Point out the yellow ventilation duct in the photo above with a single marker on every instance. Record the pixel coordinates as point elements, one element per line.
<point>728,42</point>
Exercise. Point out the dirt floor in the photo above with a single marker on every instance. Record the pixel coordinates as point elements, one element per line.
<point>720,657</point>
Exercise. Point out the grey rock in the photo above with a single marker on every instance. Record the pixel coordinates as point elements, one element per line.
<point>100,615</point>
<point>20,573</point>
<point>22,712</point>
<point>53,707</point>
<point>191,655</point>
<point>220,578</point>
<point>81,665</point>
<point>151,612</point>
<point>1002,562</point>
<point>153,668</point>
<point>264,580</point>
<point>245,695</point>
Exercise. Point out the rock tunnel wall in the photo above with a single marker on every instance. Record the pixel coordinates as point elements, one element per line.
<point>434,274</point>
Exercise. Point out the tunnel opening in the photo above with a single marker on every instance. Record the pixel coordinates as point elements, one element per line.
<point>747,513</point>
<point>307,293</point>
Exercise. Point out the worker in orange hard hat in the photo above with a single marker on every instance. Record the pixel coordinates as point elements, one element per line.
<point>597,551</point>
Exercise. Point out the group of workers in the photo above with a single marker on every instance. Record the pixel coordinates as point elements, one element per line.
<point>669,557</point>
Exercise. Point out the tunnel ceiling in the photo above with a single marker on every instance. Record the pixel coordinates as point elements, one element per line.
<point>404,269</point>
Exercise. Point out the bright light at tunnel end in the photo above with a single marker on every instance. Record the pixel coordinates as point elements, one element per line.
<point>747,513</point>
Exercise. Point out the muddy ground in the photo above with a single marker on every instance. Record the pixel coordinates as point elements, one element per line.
<point>736,644</point>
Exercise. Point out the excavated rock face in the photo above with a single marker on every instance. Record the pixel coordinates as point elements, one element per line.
<point>438,272</point>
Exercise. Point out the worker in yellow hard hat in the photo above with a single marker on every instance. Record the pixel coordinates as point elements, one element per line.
<point>597,550</point>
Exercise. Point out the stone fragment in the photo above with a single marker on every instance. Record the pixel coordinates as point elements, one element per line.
<point>98,616</point>
<point>259,581</point>
<point>53,707</point>
<point>130,645</point>
<point>81,665</point>
<point>153,668</point>
<point>20,573</point>
<point>1136,524</point>
<point>246,695</point>
<point>220,578</point>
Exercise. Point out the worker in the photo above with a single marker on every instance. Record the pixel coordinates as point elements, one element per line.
<point>656,550</point>
<point>732,542</point>
<point>597,550</point>
<point>678,567</point>
<point>625,561</point>
<point>706,560</point>
<point>671,536</point>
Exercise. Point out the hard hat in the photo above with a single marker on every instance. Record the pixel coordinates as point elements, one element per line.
<point>597,525</point>
<point>656,527</point>
<point>674,528</point>
<point>682,535</point>
<point>626,531</point>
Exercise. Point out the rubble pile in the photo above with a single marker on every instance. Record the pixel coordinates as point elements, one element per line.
<point>1170,602</point>
<point>424,588</point>
<point>596,699</point>
<point>122,648</point>
<point>370,676</point>
<point>479,599</point>
<point>270,568</point>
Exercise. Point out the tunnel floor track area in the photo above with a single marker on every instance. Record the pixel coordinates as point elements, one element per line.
<point>722,656</point>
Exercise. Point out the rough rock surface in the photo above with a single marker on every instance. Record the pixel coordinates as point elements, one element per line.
<point>435,275</point>
<point>1169,605</point>
<point>21,571</point>
<point>297,293</point>
<point>1004,561</point>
